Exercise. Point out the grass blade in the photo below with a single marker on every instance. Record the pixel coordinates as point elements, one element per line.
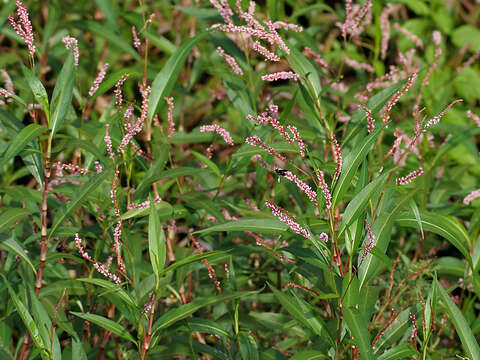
<point>62,94</point>
<point>25,136</point>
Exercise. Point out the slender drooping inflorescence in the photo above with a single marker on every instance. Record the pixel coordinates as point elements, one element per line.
<point>230,61</point>
<point>255,140</point>
<point>118,90</point>
<point>260,242</point>
<point>371,120</point>
<point>282,75</point>
<point>280,213</point>
<point>23,27</point>
<point>108,142</point>
<point>98,80</point>
<point>414,38</point>
<point>171,123</point>
<point>396,97</point>
<point>298,139</point>
<point>385,26</point>
<point>325,190</point>
<point>337,156</point>
<point>410,177</point>
<point>221,131</point>
<point>136,40</point>
<point>436,119</point>
<point>473,195</point>
<point>358,65</point>
<point>304,187</point>
<point>264,51</point>
<point>318,59</point>
<point>71,42</point>
<point>474,117</point>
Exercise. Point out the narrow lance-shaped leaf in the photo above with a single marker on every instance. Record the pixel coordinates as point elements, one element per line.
<point>39,92</point>
<point>248,346</point>
<point>13,246</point>
<point>62,94</point>
<point>156,242</point>
<point>27,134</point>
<point>10,215</point>
<point>470,344</point>
<point>107,324</point>
<point>166,78</point>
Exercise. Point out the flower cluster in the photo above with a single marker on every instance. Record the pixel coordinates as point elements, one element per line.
<point>408,178</point>
<point>98,80</point>
<point>324,187</point>
<point>71,42</point>
<point>282,75</point>
<point>312,195</point>
<point>23,26</point>
<point>280,213</point>
<point>255,140</point>
<point>473,195</point>
<point>221,131</point>
<point>171,124</point>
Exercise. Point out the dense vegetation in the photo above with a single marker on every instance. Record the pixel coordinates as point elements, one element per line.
<point>230,180</point>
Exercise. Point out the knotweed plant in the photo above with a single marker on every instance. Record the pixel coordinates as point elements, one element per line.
<point>233,180</point>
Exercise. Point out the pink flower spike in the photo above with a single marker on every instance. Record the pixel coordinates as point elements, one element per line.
<point>108,142</point>
<point>264,51</point>
<point>259,159</point>
<point>473,195</point>
<point>8,81</point>
<point>71,42</point>
<point>224,133</point>
<point>278,212</point>
<point>276,38</point>
<point>357,65</point>
<point>230,61</point>
<point>348,15</point>
<point>171,123</point>
<point>285,26</point>
<point>23,26</point>
<point>98,167</point>
<point>371,121</point>
<point>397,96</point>
<point>437,37</point>
<point>324,237</point>
<point>251,204</point>
<point>104,271</point>
<point>98,80</point>
<point>324,187</point>
<point>337,156</point>
<point>255,140</point>
<point>370,244</point>
<point>118,90</point>
<point>318,59</point>
<point>385,26</point>
<point>136,40</point>
<point>224,10</point>
<point>438,53</point>
<point>437,118</point>
<point>414,38</point>
<point>298,139</point>
<point>312,195</point>
<point>283,75</point>
<point>406,179</point>
<point>5,93</point>
<point>81,250</point>
<point>474,117</point>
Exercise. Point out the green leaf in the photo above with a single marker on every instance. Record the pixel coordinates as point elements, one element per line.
<point>402,351</point>
<point>114,288</point>
<point>302,66</point>
<point>470,344</point>
<point>303,313</point>
<point>107,324</point>
<point>210,164</point>
<point>395,331</point>
<point>38,91</point>
<point>309,355</point>
<point>10,215</point>
<point>85,190</point>
<point>163,209</point>
<point>446,226</point>
<point>266,225</point>
<point>166,78</point>
<point>205,326</point>
<point>26,317</point>
<point>416,212</point>
<point>183,311</point>
<point>248,346</point>
<point>358,204</point>
<point>62,94</point>
<point>211,255</point>
<point>351,163</point>
<point>466,35</point>
<point>156,242</point>
<point>24,137</point>
<point>357,325</point>
<point>13,246</point>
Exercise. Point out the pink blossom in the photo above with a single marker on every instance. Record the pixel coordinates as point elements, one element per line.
<point>5,93</point>
<point>8,81</point>
<point>98,80</point>
<point>224,133</point>
<point>437,118</point>
<point>23,26</point>
<point>312,195</point>
<point>98,167</point>
<point>255,140</point>
<point>136,40</point>
<point>298,139</point>
<point>118,89</point>
<point>276,38</point>
<point>71,42</point>
<point>414,38</point>
<point>437,37</point>
<point>224,10</point>
<point>108,141</point>
<point>171,123</point>
<point>278,212</point>
<point>397,96</point>
<point>104,271</point>
<point>230,61</point>
<point>371,121</point>
<point>473,195</point>
<point>258,158</point>
<point>357,65</point>
<point>474,117</point>
<point>264,51</point>
<point>324,187</point>
<point>406,179</point>
<point>71,167</point>
<point>385,26</point>
<point>337,156</point>
<point>381,81</point>
<point>318,59</point>
<point>438,52</point>
<point>284,25</point>
<point>251,204</point>
<point>348,15</point>
<point>324,237</point>
<point>282,75</point>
